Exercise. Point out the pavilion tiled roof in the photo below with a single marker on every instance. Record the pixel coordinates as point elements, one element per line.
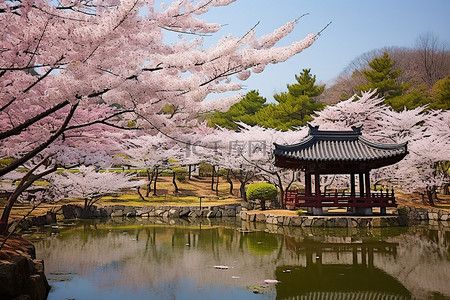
<point>339,146</point>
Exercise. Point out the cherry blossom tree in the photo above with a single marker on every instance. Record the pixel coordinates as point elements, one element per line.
<point>152,153</point>
<point>56,58</point>
<point>425,168</point>
<point>66,66</point>
<point>257,152</point>
<point>248,154</point>
<point>89,184</point>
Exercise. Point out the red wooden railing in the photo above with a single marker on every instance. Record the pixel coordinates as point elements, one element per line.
<point>293,198</point>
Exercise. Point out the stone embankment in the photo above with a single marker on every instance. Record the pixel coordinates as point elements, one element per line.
<point>232,210</point>
<point>325,221</point>
<point>21,274</point>
<point>48,219</point>
<point>246,211</point>
<point>425,214</point>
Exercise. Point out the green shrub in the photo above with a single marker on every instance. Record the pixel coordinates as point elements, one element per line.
<point>301,212</point>
<point>205,169</point>
<point>180,173</point>
<point>261,191</point>
<point>402,211</point>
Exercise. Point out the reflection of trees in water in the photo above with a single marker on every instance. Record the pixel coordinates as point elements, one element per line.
<point>147,255</point>
<point>441,238</point>
<point>419,261</point>
<point>338,267</point>
<point>261,243</point>
<point>153,254</point>
<point>361,250</point>
<point>423,263</point>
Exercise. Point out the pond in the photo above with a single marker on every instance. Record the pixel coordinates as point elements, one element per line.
<point>231,259</point>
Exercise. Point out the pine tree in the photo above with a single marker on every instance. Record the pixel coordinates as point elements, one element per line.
<point>243,111</point>
<point>441,94</point>
<point>383,77</point>
<point>295,106</point>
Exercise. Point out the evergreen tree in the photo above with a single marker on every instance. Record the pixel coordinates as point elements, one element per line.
<point>436,98</point>
<point>243,111</point>
<point>295,106</point>
<point>383,77</point>
<point>440,94</point>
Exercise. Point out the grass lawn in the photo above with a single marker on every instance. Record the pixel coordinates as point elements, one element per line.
<point>189,193</point>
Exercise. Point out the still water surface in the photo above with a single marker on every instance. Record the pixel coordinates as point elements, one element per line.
<point>152,259</point>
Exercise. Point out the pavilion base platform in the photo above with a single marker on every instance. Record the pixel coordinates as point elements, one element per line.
<point>291,218</point>
<point>351,211</point>
<point>351,204</point>
<point>366,211</point>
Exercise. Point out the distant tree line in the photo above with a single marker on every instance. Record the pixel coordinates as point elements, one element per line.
<point>293,108</point>
<point>405,78</point>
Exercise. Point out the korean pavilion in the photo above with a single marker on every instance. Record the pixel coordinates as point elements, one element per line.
<point>338,152</point>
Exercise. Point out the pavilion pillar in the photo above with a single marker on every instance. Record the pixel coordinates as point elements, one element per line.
<point>367,177</point>
<point>317,209</point>
<point>365,193</point>
<point>352,193</point>
<point>352,185</point>
<point>307,183</point>
<point>317,184</point>
<point>361,185</point>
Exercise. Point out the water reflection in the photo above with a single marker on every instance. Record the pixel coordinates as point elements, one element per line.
<point>148,259</point>
<point>339,268</point>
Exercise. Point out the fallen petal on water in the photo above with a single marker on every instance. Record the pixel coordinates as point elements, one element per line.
<point>221,267</point>
<point>271,281</point>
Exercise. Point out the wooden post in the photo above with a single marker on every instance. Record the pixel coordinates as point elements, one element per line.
<point>317,185</point>
<point>352,185</point>
<point>361,185</point>
<point>370,257</point>
<point>367,177</point>
<point>307,183</point>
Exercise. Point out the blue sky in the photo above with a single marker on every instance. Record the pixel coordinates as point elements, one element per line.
<point>358,26</point>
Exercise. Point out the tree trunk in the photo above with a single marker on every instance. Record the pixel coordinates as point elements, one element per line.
<point>242,191</point>
<point>189,172</point>
<point>217,184</point>
<point>423,199</point>
<point>150,179</point>
<point>140,194</point>
<point>230,182</point>
<point>212,177</point>
<point>149,189</point>
<point>26,181</point>
<point>6,211</point>
<point>155,180</point>
<point>281,202</point>
<point>446,189</point>
<point>263,204</point>
<point>174,181</point>
<point>280,185</point>
<point>430,192</point>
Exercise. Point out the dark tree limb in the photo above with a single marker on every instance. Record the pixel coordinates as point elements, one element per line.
<point>24,183</point>
<point>18,162</point>
<point>18,129</point>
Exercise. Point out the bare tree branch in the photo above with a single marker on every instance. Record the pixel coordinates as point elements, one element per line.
<point>18,129</point>
<point>16,163</point>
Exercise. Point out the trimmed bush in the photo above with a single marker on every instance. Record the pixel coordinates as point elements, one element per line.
<point>261,191</point>
<point>205,170</point>
<point>180,173</point>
